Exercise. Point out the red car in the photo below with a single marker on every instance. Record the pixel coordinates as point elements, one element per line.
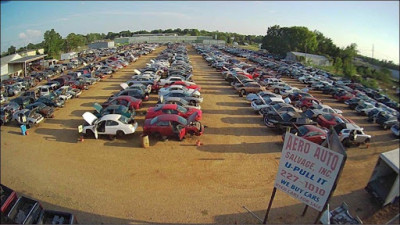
<point>172,109</point>
<point>344,96</point>
<point>125,100</point>
<point>307,102</point>
<point>170,125</point>
<point>331,119</point>
<point>189,85</point>
<point>311,133</point>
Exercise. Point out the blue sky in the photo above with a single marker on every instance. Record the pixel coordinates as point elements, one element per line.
<point>365,23</point>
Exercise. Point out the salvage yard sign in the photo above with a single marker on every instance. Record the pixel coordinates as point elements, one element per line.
<point>307,171</point>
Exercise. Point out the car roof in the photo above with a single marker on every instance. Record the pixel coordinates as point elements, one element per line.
<point>168,117</point>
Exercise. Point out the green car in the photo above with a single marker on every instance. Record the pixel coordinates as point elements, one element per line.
<point>114,109</point>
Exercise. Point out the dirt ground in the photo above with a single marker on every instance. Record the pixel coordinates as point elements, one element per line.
<point>103,181</point>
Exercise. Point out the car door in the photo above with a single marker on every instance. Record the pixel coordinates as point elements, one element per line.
<point>112,127</point>
<point>164,128</point>
<point>361,137</point>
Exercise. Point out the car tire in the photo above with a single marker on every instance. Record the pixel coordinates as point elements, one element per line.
<point>304,108</point>
<point>367,140</point>
<point>276,91</point>
<point>242,93</point>
<point>346,142</point>
<point>120,133</point>
<point>265,119</point>
<point>385,127</point>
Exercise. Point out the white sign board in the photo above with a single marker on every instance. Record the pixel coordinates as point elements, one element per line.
<point>307,171</point>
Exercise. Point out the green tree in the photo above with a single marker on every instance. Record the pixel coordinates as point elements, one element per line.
<point>73,41</point>
<point>11,50</point>
<point>53,43</point>
<point>338,64</point>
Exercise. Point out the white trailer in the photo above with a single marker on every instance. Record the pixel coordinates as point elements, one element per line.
<point>384,182</point>
<point>69,55</point>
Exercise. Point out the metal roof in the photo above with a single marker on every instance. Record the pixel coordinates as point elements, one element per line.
<point>392,158</point>
<point>28,59</point>
<point>310,55</point>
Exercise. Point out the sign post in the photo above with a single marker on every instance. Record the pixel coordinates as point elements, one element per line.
<point>307,172</point>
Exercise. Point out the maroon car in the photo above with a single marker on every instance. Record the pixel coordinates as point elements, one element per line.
<point>171,125</point>
<point>331,119</point>
<point>311,133</point>
<point>125,100</point>
<point>172,109</point>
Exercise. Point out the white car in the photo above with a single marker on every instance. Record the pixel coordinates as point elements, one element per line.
<point>27,117</point>
<point>257,105</point>
<point>252,96</point>
<point>170,79</point>
<point>111,124</point>
<point>353,134</point>
<point>166,90</point>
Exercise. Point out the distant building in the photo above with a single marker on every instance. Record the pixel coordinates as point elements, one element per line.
<point>214,42</point>
<point>4,64</point>
<point>101,44</point>
<point>315,59</point>
<point>161,39</point>
<point>69,55</point>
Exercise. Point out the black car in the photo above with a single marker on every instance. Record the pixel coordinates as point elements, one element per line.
<point>54,102</point>
<point>386,120</point>
<point>43,109</point>
<point>136,93</point>
<point>23,101</point>
<point>287,119</point>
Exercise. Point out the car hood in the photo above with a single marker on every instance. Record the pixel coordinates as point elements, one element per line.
<point>89,117</point>
<point>192,117</point>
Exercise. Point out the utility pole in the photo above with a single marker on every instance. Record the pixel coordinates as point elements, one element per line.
<point>372,50</point>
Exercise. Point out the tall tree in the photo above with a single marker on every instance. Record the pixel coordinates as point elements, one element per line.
<point>53,43</point>
<point>11,50</point>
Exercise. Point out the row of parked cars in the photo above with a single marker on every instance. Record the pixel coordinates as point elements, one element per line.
<point>39,102</point>
<point>281,105</point>
<point>177,112</point>
<point>23,210</point>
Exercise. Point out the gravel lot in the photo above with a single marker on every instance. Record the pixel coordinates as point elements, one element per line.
<point>103,181</point>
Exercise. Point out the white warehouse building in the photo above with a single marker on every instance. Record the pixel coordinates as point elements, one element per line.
<point>315,59</point>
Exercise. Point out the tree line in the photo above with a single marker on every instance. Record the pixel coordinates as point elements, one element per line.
<point>54,43</point>
<point>280,40</point>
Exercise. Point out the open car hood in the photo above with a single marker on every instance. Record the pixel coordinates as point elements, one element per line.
<point>124,86</point>
<point>137,71</point>
<point>89,117</point>
<point>192,117</point>
<point>97,107</point>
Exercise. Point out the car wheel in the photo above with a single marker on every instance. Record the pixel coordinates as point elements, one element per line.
<point>265,120</point>
<point>120,133</point>
<point>346,142</point>
<point>367,140</point>
<point>242,93</point>
<point>304,108</point>
<point>276,91</point>
<point>385,127</point>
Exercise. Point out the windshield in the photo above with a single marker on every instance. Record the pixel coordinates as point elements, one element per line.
<point>182,120</point>
<point>154,120</point>
<point>302,130</point>
<point>123,119</point>
<point>181,109</point>
<point>286,117</point>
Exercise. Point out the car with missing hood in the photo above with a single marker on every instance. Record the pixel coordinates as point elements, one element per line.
<point>43,109</point>
<point>27,117</point>
<point>114,109</point>
<point>310,133</point>
<point>172,109</point>
<point>350,134</point>
<point>125,100</point>
<point>286,119</point>
<point>192,97</point>
<point>179,101</point>
<point>110,124</point>
<point>171,125</point>
<point>320,110</point>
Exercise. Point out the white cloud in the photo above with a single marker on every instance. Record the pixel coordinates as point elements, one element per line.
<point>30,34</point>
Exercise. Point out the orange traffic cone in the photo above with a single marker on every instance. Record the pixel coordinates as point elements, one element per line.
<point>26,132</point>
<point>81,139</point>
<point>198,143</point>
